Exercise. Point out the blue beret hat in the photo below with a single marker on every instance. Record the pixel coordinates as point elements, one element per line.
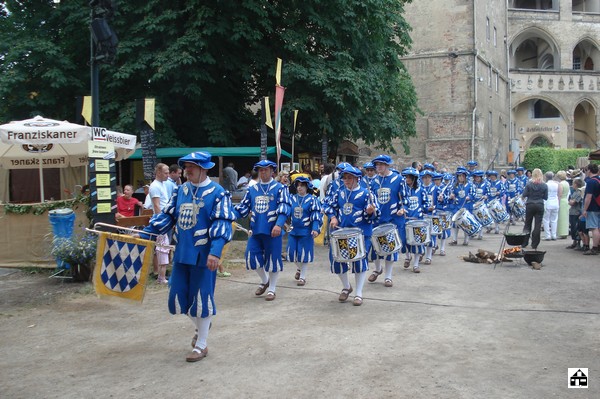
<point>303,179</point>
<point>265,163</point>
<point>410,172</point>
<point>200,158</point>
<point>427,172</point>
<point>472,163</point>
<point>478,173</point>
<point>383,159</point>
<point>369,165</point>
<point>342,165</point>
<point>429,166</point>
<point>437,176</point>
<point>492,173</point>
<point>352,170</point>
<point>511,171</point>
<point>520,169</point>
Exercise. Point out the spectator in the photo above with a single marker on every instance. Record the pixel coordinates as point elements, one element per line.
<point>551,207</point>
<point>591,208</point>
<point>575,201</point>
<point>562,229</point>
<point>173,180</point>
<point>253,179</point>
<point>244,181</point>
<point>535,192</point>
<point>230,178</point>
<point>158,201</point>
<point>126,203</point>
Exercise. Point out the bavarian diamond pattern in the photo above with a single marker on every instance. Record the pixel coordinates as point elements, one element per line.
<point>121,265</point>
<point>349,247</point>
<point>387,242</point>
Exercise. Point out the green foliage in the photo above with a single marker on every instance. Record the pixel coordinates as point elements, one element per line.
<point>41,208</point>
<point>550,159</point>
<point>207,64</point>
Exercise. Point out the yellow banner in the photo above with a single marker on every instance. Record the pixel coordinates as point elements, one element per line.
<point>278,73</point>
<point>86,109</point>
<point>149,104</point>
<point>122,266</point>
<point>268,121</point>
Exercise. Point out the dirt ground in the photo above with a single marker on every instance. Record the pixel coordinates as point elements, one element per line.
<point>456,330</point>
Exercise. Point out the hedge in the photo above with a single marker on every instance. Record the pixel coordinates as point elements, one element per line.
<point>549,159</point>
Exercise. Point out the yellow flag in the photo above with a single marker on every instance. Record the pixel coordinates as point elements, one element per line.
<point>149,112</point>
<point>278,73</point>
<point>268,120</point>
<point>86,109</point>
<point>122,266</point>
<point>295,119</point>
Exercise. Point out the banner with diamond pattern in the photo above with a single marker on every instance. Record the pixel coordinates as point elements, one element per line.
<point>122,266</point>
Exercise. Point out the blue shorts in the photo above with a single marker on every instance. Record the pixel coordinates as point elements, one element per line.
<point>592,220</point>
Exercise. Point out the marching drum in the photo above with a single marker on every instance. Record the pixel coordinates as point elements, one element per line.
<point>481,212</point>
<point>466,221</point>
<point>517,206</point>
<point>436,224</point>
<point>498,211</point>
<point>445,218</point>
<point>386,240</point>
<point>348,245</point>
<point>417,232</point>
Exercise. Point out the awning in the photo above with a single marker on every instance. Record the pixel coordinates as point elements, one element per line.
<point>178,152</point>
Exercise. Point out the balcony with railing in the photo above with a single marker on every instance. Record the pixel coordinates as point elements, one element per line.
<point>535,80</point>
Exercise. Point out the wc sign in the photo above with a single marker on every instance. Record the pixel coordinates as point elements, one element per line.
<point>98,134</point>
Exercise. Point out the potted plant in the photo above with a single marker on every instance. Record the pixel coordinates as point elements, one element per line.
<point>78,252</point>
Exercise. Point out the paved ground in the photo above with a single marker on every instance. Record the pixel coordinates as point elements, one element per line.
<point>457,330</point>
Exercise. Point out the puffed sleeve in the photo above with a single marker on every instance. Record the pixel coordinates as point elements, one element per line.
<point>220,231</point>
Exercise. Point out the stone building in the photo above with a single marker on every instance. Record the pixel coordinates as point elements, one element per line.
<point>494,77</point>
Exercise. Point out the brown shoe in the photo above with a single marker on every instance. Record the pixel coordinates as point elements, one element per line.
<point>416,270</point>
<point>388,282</point>
<point>357,301</point>
<point>270,296</point>
<point>406,263</point>
<point>374,275</point>
<point>196,355</point>
<point>297,275</point>
<point>261,289</point>
<point>344,295</point>
<point>301,282</point>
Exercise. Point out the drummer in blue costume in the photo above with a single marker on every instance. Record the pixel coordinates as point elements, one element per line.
<point>414,202</point>
<point>512,188</point>
<point>388,187</point>
<point>370,173</point>
<point>431,200</point>
<point>495,191</point>
<point>202,212</point>
<point>522,177</point>
<point>352,206</point>
<point>306,221</point>
<point>460,196</point>
<point>268,204</point>
<point>441,204</point>
<point>480,192</point>
<point>471,166</point>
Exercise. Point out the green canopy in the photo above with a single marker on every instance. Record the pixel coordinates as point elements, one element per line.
<point>178,152</point>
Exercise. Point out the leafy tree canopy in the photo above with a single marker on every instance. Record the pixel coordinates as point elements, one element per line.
<point>208,63</point>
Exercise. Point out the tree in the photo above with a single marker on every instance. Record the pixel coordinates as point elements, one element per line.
<point>208,63</point>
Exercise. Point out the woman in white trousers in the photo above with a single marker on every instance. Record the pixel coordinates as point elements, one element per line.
<point>551,207</point>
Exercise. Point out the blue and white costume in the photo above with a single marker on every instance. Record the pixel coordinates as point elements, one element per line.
<point>460,196</point>
<point>352,207</point>
<point>495,192</point>
<point>203,215</point>
<point>512,188</point>
<point>268,204</point>
<point>306,217</point>
<point>388,186</point>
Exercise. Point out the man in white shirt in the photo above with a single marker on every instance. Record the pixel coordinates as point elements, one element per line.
<point>158,200</point>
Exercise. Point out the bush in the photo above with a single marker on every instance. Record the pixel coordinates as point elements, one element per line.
<point>550,159</point>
